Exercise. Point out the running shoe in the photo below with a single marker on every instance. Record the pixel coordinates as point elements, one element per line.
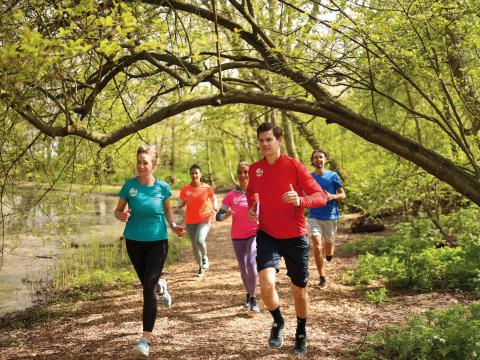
<point>275,339</point>
<point>253,305</point>
<point>246,304</point>
<point>165,297</point>
<point>300,345</point>
<point>142,347</point>
<point>201,272</point>
<point>205,263</point>
<point>322,283</point>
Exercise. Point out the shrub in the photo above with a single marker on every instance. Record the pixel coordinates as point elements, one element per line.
<point>414,262</point>
<point>442,335</point>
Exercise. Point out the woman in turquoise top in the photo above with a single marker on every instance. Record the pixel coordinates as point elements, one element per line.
<point>146,235</point>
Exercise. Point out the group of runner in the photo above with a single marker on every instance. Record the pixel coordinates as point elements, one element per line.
<point>268,223</point>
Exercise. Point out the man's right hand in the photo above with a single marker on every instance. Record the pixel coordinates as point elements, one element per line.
<point>253,213</point>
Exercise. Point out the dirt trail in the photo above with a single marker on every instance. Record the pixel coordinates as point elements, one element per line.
<point>206,320</point>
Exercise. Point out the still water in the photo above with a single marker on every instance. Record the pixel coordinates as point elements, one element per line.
<point>37,234</point>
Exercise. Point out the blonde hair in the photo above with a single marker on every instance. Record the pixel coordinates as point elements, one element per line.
<point>151,150</point>
<point>243,163</point>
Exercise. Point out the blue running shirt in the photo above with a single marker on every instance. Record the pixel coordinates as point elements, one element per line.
<point>330,182</point>
<point>147,217</point>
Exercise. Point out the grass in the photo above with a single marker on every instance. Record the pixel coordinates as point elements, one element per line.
<point>85,273</point>
<point>76,188</point>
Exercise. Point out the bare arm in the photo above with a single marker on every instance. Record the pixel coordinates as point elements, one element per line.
<point>177,229</point>
<point>120,213</point>
<point>181,204</point>
<point>340,195</point>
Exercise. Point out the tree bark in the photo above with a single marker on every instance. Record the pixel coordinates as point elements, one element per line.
<point>226,158</point>
<point>442,168</point>
<point>288,136</point>
<point>209,163</point>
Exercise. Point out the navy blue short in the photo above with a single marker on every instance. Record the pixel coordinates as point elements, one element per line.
<point>294,250</point>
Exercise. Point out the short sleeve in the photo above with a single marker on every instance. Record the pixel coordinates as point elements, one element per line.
<point>337,183</point>
<point>227,200</point>
<point>166,191</point>
<point>123,194</point>
<point>182,194</point>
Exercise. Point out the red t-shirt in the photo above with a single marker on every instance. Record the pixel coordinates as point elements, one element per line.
<point>269,182</point>
<point>199,201</point>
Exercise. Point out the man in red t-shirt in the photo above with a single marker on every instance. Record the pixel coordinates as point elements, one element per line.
<point>274,202</point>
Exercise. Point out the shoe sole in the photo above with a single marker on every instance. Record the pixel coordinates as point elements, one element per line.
<point>276,346</point>
<point>139,352</point>
<point>280,335</point>
<point>165,303</point>
<point>299,353</point>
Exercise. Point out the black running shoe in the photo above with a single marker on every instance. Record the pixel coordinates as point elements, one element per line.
<point>300,344</point>
<point>246,304</point>
<point>253,305</point>
<point>276,336</point>
<point>322,284</point>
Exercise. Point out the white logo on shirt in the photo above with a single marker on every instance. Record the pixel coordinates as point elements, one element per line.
<point>188,193</point>
<point>237,200</point>
<point>259,172</point>
<point>133,192</point>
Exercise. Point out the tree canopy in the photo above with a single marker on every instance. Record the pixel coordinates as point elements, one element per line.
<point>399,74</point>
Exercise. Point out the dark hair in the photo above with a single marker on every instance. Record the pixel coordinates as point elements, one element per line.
<point>195,167</point>
<point>277,131</point>
<point>318,151</point>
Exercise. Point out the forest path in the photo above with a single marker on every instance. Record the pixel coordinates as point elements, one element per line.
<point>206,320</point>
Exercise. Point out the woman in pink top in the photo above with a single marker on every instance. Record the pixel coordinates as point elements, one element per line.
<point>243,234</point>
<point>201,203</point>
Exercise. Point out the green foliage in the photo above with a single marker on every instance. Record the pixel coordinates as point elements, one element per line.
<point>372,245</point>
<point>442,335</point>
<point>377,297</point>
<point>86,269</point>
<point>412,261</point>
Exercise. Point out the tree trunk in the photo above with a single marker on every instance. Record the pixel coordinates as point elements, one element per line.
<point>209,164</point>
<point>226,158</point>
<point>442,168</point>
<point>288,136</point>
<point>172,152</point>
<point>314,143</point>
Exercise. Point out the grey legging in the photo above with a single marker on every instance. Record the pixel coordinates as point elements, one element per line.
<point>198,234</point>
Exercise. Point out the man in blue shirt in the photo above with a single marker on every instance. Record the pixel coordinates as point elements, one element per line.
<point>322,221</point>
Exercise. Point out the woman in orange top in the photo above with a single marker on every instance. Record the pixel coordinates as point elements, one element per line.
<point>201,204</point>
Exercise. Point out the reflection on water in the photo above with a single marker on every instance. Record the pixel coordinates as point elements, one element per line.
<point>38,234</point>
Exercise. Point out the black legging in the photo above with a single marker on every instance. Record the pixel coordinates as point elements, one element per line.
<point>148,258</point>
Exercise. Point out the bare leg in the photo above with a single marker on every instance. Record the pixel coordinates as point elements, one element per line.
<point>317,252</point>
<point>329,248</point>
<point>300,296</point>
<point>267,287</point>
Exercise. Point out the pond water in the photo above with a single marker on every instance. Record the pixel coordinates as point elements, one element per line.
<point>37,236</point>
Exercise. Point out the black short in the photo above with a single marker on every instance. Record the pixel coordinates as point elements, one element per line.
<point>294,250</point>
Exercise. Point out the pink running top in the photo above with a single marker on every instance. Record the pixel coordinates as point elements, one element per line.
<point>242,226</point>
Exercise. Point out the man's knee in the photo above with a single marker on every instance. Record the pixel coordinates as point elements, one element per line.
<point>267,279</point>
<point>299,293</point>
<point>317,243</point>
